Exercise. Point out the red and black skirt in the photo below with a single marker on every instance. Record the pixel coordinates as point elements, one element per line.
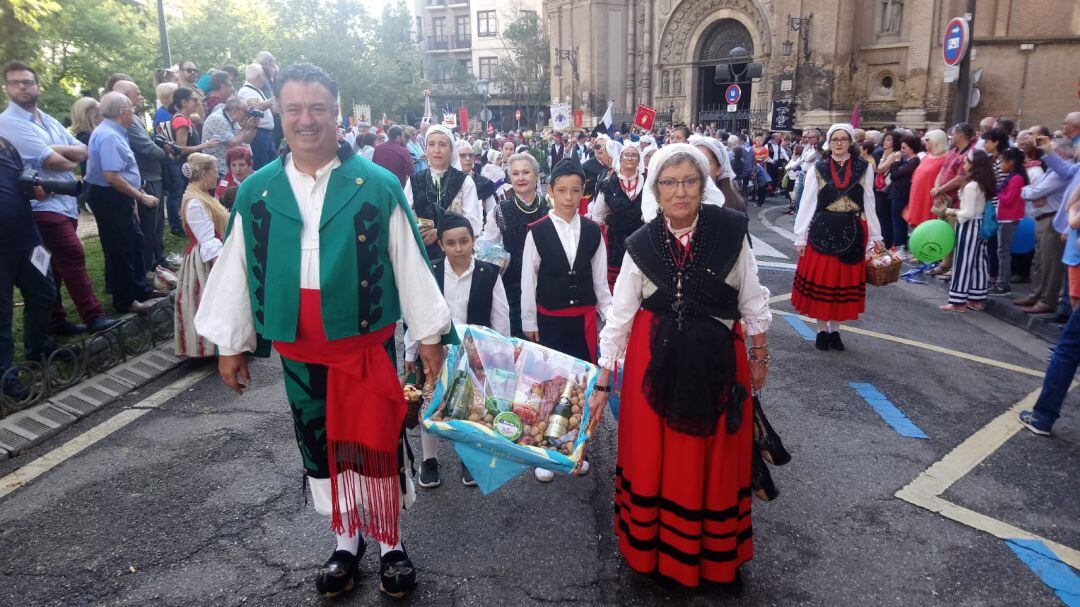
<point>682,502</point>
<point>828,289</point>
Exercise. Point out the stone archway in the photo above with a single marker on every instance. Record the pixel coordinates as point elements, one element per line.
<point>691,29</point>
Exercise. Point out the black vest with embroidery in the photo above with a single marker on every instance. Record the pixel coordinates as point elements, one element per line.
<point>624,217</point>
<point>484,187</point>
<point>705,289</point>
<point>558,285</point>
<point>481,290</point>
<point>831,192</point>
<point>430,202</point>
<point>514,225</point>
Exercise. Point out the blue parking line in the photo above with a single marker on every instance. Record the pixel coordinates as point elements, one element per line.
<point>800,327</point>
<point>888,411</point>
<point>1058,576</point>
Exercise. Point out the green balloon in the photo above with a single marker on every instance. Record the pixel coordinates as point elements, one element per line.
<point>932,240</point>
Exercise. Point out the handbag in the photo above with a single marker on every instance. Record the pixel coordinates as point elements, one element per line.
<point>879,181</point>
<point>990,221</point>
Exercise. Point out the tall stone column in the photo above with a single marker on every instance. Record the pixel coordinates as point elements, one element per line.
<point>631,54</point>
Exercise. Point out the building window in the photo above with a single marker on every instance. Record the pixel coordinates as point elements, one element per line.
<point>438,27</point>
<point>465,66</point>
<point>461,27</point>
<point>485,23</point>
<point>420,29</point>
<point>487,67</point>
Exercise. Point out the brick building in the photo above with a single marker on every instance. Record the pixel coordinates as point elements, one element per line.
<point>825,56</point>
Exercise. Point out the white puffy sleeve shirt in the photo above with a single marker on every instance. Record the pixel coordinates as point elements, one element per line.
<point>632,287</point>
<point>200,224</point>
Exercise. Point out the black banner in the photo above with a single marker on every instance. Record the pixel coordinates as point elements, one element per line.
<point>783,116</point>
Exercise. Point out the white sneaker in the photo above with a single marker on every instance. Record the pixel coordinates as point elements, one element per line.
<point>543,475</point>
<point>583,469</point>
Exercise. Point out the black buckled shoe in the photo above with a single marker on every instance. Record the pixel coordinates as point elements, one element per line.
<point>338,575</point>
<point>834,341</point>
<point>822,342</point>
<point>397,576</point>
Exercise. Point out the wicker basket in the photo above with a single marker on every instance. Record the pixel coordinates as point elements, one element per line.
<point>881,275</point>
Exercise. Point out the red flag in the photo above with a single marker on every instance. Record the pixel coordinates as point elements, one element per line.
<point>644,117</point>
<point>463,119</point>
<point>579,117</point>
<point>855,116</point>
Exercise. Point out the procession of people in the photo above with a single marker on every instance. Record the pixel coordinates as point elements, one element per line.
<point>627,250</point>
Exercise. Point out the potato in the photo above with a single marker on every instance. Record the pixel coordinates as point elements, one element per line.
<point>489,419</point>
<point>575,421</point>
<point>541,426</point>
<point>576,409</point>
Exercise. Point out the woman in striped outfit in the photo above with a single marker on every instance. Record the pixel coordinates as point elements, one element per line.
<point>968,285</point>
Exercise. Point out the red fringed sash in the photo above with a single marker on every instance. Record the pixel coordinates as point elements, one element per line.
<point>364,411</point>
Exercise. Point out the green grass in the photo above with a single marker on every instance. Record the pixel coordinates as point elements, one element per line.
<point>95,267</point>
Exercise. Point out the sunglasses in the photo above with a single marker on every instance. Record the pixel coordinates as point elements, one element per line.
<point>191,70</point>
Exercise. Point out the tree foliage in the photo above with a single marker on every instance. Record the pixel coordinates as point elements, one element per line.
<point>523,70</point>
<point>76,44</point>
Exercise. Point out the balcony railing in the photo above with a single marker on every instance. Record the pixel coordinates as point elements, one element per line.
<point>435,3</point>
<point>461,42</point>
<point>445,3</point>
<point>437,43</point>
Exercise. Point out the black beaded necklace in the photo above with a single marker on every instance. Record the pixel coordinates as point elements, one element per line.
<point>683,265</point>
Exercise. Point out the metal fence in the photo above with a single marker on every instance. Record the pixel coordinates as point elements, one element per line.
<point>71,363</point>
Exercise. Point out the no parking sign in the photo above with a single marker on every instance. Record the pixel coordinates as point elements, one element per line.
<point>733,94</point>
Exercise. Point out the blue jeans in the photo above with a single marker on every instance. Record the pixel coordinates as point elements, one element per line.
<point>263,150</point>
<point>1059,374</point>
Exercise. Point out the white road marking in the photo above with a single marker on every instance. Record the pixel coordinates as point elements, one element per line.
<point>931,347</point>
<point>781,265</point>
<point>925,491</point>
<point>764,249</point>
<point>787,234</point>
<point>59,455</point>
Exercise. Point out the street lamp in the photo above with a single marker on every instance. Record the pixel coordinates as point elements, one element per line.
<point>788,44</point>
<point>801,26</point>
<point>571,55</point>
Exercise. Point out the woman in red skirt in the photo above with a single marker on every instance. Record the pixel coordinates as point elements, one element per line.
<point>683,478</point>
<point>835,214</point>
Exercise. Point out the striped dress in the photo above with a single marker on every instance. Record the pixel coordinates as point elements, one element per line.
<point>191,279</point>
<point>970,269</point>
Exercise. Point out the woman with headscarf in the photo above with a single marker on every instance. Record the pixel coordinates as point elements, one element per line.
<point>442,187</point>
<point>835,213</point>
<point>720,170</point>
<point>617,205</point>
<point>684,465</point>
<point>485,188</point>
<point>508,225</point>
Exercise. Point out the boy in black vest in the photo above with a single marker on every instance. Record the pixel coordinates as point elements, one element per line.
<point>474,291</point>
<point>564,274</point>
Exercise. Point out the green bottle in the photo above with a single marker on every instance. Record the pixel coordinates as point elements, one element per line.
<point>558,423</point>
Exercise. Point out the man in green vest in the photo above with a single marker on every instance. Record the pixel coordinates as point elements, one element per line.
<point>321,259</point>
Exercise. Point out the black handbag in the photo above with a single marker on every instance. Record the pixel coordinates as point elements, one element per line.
<point>838,233</point>
<point>767,448</point>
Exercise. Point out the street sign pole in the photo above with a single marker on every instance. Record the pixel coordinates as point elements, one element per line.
<point>960,108</point>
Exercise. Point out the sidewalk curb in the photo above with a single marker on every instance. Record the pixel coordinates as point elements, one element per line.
<point>1002,308</point>
<point>32,426</point>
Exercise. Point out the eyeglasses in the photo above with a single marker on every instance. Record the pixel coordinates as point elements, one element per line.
<point>191,70</point>
<point>688,184</point>
<point>841,140</point>
<point>22,83</point>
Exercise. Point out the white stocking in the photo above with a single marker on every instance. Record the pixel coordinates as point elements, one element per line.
<point>429,444</point>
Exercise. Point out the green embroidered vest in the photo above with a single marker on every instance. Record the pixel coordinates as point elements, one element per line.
<point>355,273</point>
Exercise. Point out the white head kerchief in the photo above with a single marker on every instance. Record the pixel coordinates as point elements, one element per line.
<point>840,126</point>
<point>438,128</point>
<point>649,204</point>
<point>614,148</point>
<point>713,146</point>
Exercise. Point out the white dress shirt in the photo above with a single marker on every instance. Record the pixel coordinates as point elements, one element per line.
<point>200,224</point>
<point>569,234</point>
<point>598,208</point>
<point>470,204</point>
<point>809,201</point>
<point>224,315</point>
<point>251,92</point>
<point>456,291</point>
<point>632,287</point>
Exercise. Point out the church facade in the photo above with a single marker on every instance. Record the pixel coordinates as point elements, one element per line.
<point>818,58</point>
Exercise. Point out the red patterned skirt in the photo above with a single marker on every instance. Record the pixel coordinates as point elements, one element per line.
<point>682,503</point>
<point>828,289</point>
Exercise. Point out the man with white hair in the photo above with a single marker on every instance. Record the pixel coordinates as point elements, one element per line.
<point>115,186</point>
<point>270,69</point>
<point>263,146</point>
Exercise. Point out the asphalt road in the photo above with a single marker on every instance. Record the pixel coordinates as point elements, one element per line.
<point>199,502</point>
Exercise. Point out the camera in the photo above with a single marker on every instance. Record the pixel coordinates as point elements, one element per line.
<point>254,112</point>
<point>165,144</point>
<point>29,179</point>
